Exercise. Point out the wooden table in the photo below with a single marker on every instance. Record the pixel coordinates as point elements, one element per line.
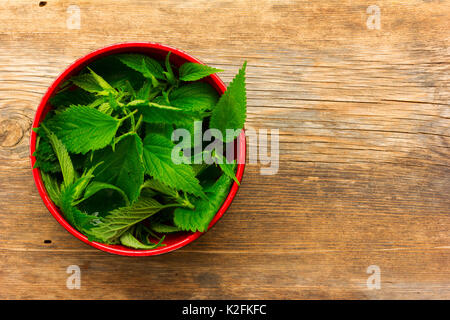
<point>364,174</point>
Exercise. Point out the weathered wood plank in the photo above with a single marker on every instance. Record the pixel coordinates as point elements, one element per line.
<point>225,274</point>
<point>364,124</point>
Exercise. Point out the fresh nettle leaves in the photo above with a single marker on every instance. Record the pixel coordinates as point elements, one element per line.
<point>195,71</point>
<point>82,128</point>
<point>159,165</point>
<point>230,111</point>
<point>105,149</point>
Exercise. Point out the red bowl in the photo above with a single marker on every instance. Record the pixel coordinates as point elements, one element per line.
<point>157,51</point>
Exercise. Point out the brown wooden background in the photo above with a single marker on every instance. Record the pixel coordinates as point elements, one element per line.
<point>364,150</point>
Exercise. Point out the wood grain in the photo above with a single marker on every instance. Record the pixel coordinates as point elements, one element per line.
<point>364,174</point>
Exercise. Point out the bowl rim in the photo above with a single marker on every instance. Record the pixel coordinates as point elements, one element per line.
<point>119,249</point>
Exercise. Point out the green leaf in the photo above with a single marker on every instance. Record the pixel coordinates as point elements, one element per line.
<point>158,164</point>
<point>65,162</point>
<point>101,82</point>
<point>47,166</point>
<point>160,187</point>
<point>227,168</point>
<point>198,96</point>
<point>169,73</point>
<point>116,73</point>
<point>195,129</point>
<point>128,89</point>
<point>105,108</point>
<point>152,114</point>
<point>230,111</point>
<point>96,186</point>
<point>93,83</point>
<point>147,73</point>
<point>144,103</point>
<point>199,168</point>
<point>102,202</point>
<point>190,71</point>
<point>69,97</point>
<point>120,220</point>
<point>52,188</point>
<point>74,216</point>
<point>82,182</point>
<point>122,167</point>
<point>160,128</point>
<point>44,150</point>
<point>127,239</point>
<point>168,191</point>
<point>82,129</point>
<point>163,228</point>
<point>96,103</point>
<point>143,64</point>
<point>144,92</point>
<point>46,159</point>
<point>87,82</point>
<point>205,210</point>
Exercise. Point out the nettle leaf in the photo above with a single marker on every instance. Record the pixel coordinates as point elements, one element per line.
<point>162,188</point>
<point>93,83</point>
<point>52,187</point>
<point>230,111</point>
<point>82,128</point>
<point>64,160</point>
<point>46,166</point>
<point>105,108</point>
<point>74,216</point>
<point>190,71</point>
<point>143,64</point>
<point>144,103</point>
<point>122,167</point>
<point>127,239</point>
<point>169,73</point>
<point>163,228</point>
<point>122,219</point>
<point>102,202</point>
<point>144,92</point>
<point>195,129</point>
<point>87,82</point>
<point>198,96</point>
<point>229,168</point>
<point>125,88</point>
<point>160,128</point>
<point>154,114</point>
<point>46,159</point>
<point>158,164</point>
<point>198,219</point>
<point>96,103</point>
<point>69,97</point>
<point>102,82</point>
<point>116,73</point>
<point>199,168</point>
<point>44,150</point>
<point>96,186</point>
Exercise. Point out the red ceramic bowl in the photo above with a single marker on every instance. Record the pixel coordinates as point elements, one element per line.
<point>157,51</point>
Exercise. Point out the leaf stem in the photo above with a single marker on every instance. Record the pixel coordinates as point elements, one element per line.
<point>128,116</point>
<point>138,124</point>
<point>186,203</point>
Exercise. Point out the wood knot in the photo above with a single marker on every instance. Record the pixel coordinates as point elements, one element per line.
<point>42,3</point>
<point>11,133</point>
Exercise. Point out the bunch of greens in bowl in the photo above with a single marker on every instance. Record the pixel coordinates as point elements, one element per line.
<point>106,148</point>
